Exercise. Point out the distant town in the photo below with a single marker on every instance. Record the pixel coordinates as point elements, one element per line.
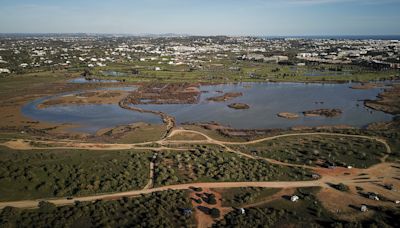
<point>29,54</point>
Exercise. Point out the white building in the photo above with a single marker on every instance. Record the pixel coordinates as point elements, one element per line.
<point>364,208</point>
<point>294,198</point>
<point>6,71</point>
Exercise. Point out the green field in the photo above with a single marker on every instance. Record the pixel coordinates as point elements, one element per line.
<point>249,72</point>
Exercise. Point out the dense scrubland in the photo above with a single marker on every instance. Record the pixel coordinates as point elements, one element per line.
<point>162,209</point>
<point>316,149</point>
<point>207,163</point>
<point>58,173</point>
<point>307,212</point>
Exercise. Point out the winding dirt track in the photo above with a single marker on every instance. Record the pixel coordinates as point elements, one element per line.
<point>326,177</point>
<point>63,201</point>
<point>214,141</point>
<point>25,144</point>
<point>338,176</point>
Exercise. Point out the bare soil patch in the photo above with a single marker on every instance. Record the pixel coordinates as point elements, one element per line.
<point>204,220</point>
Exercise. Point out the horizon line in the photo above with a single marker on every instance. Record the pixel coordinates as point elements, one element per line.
<point>186,34</point>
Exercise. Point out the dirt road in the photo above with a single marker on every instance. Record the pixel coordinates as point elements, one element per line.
<point>374,174</point>
<point>214,141</point>
<point>337,176</point>
<point>64,201</point>
<point>21,144</point>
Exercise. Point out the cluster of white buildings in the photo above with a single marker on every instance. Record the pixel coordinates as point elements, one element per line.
<point>97,51</point>
<point>350,51</point>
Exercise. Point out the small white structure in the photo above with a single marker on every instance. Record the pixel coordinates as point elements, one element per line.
<point>242,211</point>
<point>157,68</point>
<point>373,197</point>
<point>349,167</point>
<point>315,176</point>
<point>7,71</point>
<point>397,202</point>
<point>363,208</point>
<point>294,198</point>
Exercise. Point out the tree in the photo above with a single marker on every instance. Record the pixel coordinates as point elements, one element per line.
<point>215,213</point>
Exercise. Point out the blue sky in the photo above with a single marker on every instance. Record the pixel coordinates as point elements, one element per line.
<point>203,17</point>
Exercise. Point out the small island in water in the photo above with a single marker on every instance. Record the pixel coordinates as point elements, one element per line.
<point>225,97</point>
<point>323,112</point>
<point>239,106</point>
<point>288,115</point>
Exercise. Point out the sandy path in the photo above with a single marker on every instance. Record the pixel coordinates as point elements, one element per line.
<point>327,176</point>
<point>151,177</point>
<point>24,144</point>
<point>276,196</point>
<point>209,139</point>
<point>20,144</point>
<point>63,201</point>
<point>374,173</point>
<point>389,170</point>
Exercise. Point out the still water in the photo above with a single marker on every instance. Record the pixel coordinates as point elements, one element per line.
<point>265,101</point>
<point>90,118</point>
